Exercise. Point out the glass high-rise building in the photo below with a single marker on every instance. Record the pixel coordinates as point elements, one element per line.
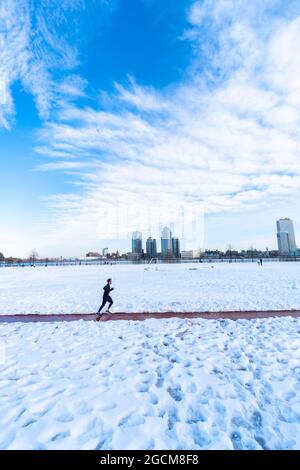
<point>176,247</point>
<point>286,237</point>
<point>137,243</point>
<point>151,248</point>
<point>166,242</point>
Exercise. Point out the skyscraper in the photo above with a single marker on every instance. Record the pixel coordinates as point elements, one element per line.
<point>137,243</point>
<point>176,247</point>
<point>151,248</point>
<point>166,242</point>
<point>286,237</point>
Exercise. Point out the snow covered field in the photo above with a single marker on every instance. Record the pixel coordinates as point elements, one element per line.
<point>175,384</point>
<point>180,287</point>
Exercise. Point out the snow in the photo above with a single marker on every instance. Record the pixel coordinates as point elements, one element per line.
<point>152,288</point>
<point>157,384</point>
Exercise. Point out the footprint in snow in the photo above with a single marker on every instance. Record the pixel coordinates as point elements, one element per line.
<point>59,436</point>
<point>153,399</point>
<point>143,388</point>
<point>175,392</point>
<point>257,420</point>
<point>172,418</point>
<point>194,415</point>
<point>107,406</point>
<point>236,440</point>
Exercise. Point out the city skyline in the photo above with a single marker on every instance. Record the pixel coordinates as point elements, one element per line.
<point>169,245</point>
<point>286,241</point>
<point>285,235</point>
<point>115,115</point>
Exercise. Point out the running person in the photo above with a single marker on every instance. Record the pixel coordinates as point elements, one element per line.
<point>106,298</point>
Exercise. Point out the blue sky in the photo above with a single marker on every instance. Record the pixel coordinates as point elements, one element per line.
<point>117,115</point>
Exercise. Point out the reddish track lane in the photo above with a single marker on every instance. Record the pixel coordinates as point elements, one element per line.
<point>145,315</point>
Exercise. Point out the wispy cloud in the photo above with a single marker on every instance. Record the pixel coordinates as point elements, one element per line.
<point>38,48</point>
<point>222,145</point>
<point>227,138</point>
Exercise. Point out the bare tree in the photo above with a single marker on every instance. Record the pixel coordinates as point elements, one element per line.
<point>33,256</point>
<point>229,252</point>
<point>251,251</point>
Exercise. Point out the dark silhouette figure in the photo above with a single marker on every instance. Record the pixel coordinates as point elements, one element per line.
<point>106,298</point>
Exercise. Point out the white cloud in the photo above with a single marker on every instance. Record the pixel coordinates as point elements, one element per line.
<point>64,165</point>
<point>13,52</point>
<point>231,146</point>
<point>227,139</point>
<point>37,40</point>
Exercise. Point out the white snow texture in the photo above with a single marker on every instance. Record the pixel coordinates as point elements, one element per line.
<point>152,288</point>
<point>158,384</point>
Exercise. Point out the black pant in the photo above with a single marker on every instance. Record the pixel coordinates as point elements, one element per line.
<point>106,299</point>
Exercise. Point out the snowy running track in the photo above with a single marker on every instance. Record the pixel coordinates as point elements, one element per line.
<point>156,384</point>
<point>29,318</point>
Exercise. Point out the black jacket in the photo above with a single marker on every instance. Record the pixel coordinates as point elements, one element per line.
<point>107,289</point>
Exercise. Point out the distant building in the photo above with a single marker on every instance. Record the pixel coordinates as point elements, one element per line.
<point>105,252</point>
<point>137,243</point>
<point>151,248</point>
<point>176,247</point>
<point>133,256</point>
<point>93,254</point>
<point>190,254</point>
<point>114,256</point>
<point>212,254</point>
<point>286,237</point>
<point>166,242</point>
